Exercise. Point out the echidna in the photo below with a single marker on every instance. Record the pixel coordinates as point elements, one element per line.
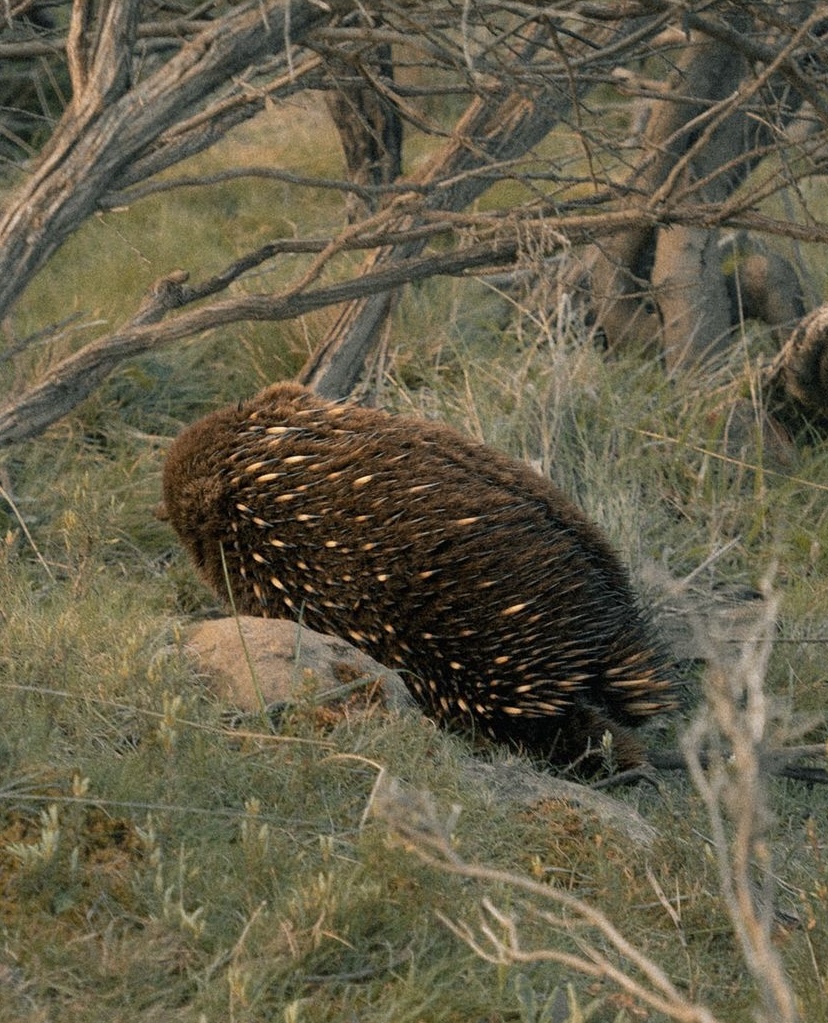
<point>504,609</point>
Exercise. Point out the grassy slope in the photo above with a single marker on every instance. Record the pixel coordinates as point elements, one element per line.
<point>152,864</point>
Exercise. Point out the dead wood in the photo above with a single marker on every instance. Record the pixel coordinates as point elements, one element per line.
<point>111,121</point>
<point>649,236</point>
<point>369,124</point>
<point>797,381</point>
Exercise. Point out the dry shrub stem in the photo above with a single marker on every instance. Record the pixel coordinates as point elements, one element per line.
<point>734,727</point>
<point>497,935</point>
<point>725,751</point>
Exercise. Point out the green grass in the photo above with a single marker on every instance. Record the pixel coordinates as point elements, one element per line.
<point>156,866</point>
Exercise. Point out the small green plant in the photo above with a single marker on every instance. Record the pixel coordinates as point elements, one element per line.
<point>561,1005</point>
<point>42,852</point>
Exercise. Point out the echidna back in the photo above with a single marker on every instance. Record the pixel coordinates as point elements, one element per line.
<point>504,608</point>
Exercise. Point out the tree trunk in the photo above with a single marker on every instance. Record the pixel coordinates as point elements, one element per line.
<point>666,288</point>
<point>692,297</point>
<point>501,131</point>
<point>371,131</point>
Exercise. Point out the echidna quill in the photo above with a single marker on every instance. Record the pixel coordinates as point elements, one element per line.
<point>506,612</point>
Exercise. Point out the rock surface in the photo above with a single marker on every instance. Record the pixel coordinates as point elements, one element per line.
<point>251,658</point>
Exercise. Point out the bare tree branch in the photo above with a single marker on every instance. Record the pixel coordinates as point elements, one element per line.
<point>496,937</point>
<point>724,130</point>
<point>494,128</point>
<point>76,376</point>
<point>82,162</point>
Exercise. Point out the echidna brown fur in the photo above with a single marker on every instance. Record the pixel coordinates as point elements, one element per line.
<point>504,609</point>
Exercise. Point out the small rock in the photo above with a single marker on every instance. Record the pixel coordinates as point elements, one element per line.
<point>270,659</point>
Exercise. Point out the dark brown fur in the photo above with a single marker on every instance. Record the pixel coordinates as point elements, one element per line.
<point>505,610</point>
